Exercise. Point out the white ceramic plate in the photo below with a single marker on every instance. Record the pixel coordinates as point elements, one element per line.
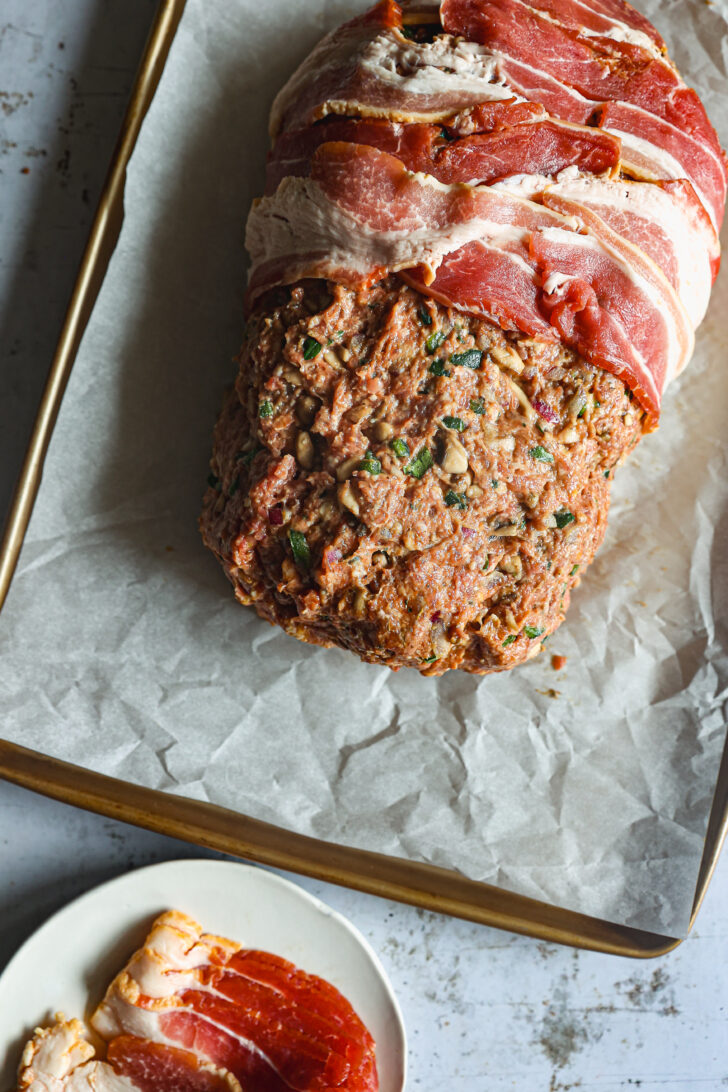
<point>67,964</point>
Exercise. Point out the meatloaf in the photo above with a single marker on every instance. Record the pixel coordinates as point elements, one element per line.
<point>408,481</point>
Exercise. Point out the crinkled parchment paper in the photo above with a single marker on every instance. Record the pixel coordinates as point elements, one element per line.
<point>122,649</point>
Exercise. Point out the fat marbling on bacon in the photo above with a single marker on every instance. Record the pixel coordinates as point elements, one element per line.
<point>623,277</point>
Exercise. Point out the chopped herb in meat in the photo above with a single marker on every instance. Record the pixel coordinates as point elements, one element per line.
<point>420,463</point>
<point>311,348</point>
<point>456,500</point>
<point>435,340</point>
<point>265,409</point>
<point>509,640</point>
<point>541,454</point>
<point>563,518</point>
<point>455,423</point>
<point>371,464</point>
<point>234,486</point>
<point>574,570</point>
<point>532,632</point>
<point>213,480</point>
<point>400,447</point>
<point>247,457</point>
<point>477,405</point>
<point>471,358</point>
<point>438,367</point>
<point>300,548</point>
<point>424,316</point>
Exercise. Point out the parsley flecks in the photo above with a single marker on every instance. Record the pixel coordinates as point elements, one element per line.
<point>509,640</point>
<point>477,405</point>
<point>455,423</point>
<point>424,316</point>
<point>456,500</point>
<point>420,463</point>
<point>430,660</point>
<point>300,548</point>
<point>400,447</point>
<point>532,632</point>
<point>541,454</point>
<point>311,348</point>
<point>563,518</point>
<point>213,480</point>
<point>265,409</point>
<point>574,570</point>
<point>247,457</point>
<point>494,482</point>
<point>435,340</point>
<point>438,367</point>
<point>471,358</point>
<point>371,464</point>
<point>606,473</point>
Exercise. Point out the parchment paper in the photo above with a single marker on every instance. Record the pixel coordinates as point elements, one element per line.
<point>122,649</point>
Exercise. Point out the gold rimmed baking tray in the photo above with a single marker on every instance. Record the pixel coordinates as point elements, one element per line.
<point>217,828</point>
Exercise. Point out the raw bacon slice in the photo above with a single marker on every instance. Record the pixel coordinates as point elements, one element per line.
<point>373,70</point>
<point>542,146</point>
<point>272,1026</point>
<point>666,222</point>
<point>60,1059</point>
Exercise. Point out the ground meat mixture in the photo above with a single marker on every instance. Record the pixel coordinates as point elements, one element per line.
<point>410,482</point>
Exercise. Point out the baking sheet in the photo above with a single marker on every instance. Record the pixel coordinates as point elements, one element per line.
<point>122,650</point>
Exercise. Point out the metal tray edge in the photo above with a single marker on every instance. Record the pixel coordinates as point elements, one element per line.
<point>217,828</point>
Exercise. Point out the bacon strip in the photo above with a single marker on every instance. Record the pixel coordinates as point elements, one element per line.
<point>539,146</point>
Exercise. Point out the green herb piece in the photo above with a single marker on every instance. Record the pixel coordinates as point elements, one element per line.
<point>564,518</point>
<point>477,405</point>
<point>541,454</point>
<point>548,566</point>
<point>606,473</point>
<point>213,480</point>
<point>574,571</point>
<point>430,660</point>
<point>435,340</point>
<point>582,411</point>
<point>532,632</point>
<point>247,457</point>
<point>471,358</point>
<point>424,316</point>
<point>509,640</point>
<point>371,464</point>
<point>234,486</point>
<point>438,367</point>
<point>339,333</point>
<point>420,463</point>
<point>400,447</point>
<point>300,548</point>
<point>455,423</point>
<point>409,32</point>
<point>265,409</point>
<point>494,482</point>
<point>456,500</point>
<point>311,348</point>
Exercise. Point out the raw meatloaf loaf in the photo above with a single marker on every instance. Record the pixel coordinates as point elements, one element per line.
<point>471,283</point>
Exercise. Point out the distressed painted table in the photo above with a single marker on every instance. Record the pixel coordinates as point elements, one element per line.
<point>485,1011</point>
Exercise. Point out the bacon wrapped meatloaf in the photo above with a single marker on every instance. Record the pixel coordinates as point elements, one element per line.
<point>473,276</point>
